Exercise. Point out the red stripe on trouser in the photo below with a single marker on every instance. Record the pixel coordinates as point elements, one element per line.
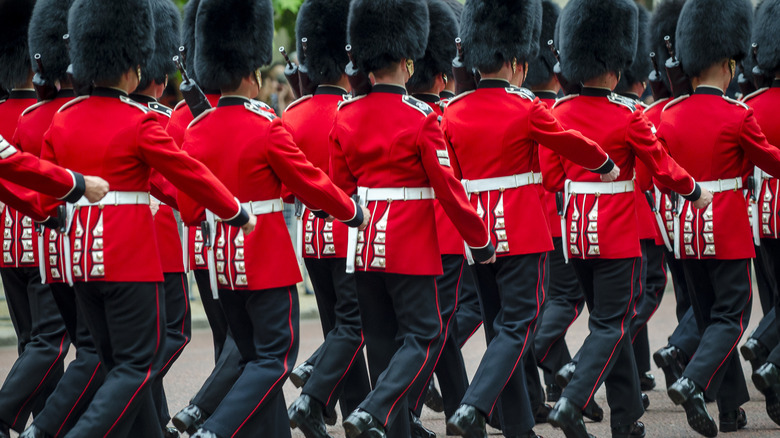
<point>573,320</point>
<point>286,366</point>
<point>149,371</point>
<point>427,354</point>
<point>43,379</point>
<point>622,333</point>
<point>351,361</point>
<point>471,334</point>
<point>539,285</point>
<point>657,303</point>
<point>89,383</point>
<point>741,330</point>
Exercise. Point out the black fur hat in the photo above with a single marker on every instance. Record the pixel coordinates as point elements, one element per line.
<point>712,30</point>
<point>49,23</point>
<point>498,31</point>
<point>14,56</point>
<point>324,24</point>
<point>440,50</point>
<point>233,38</point>
<point>457,8</point>
<point>766,33</point>
<point>167,35</point>
<point>641,67</point>
<point>109,37</point>
<point>596,37</point>
<point>540,69</point>
<point>382,32</point>
<point>189,15</point>
<point>663,23</point>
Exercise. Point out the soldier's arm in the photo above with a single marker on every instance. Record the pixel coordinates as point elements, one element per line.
<point>757,147</point>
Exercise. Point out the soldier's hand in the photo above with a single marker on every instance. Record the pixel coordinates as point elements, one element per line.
<point>154,206</point>
<point>249,226</point>
<point>97,188</point>
<point>330,219</point>
<point>704,200</point>
<point>612,175</point>
<point>366,219</point>
<point>490,261</point>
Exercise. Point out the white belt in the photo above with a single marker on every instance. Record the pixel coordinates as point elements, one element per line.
<point>264,207</point>
<point>722,185</point>
<point>660,220</point>
<point>600,188</point>
<point>502,182</point>
<point>759,176</point>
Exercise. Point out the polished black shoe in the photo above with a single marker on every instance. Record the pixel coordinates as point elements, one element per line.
<point>593,412</point>
<point>633,430</point>
<point>418,429</point>
<point>772,396</point>
<point>494,422</point>
<point>732,421</point>
<point>306,414</point>
<point>300,374</point>
<point>568,418</point>
<point>645,401</point>
<point>541,413</point>
<point>553,392</point>
<point>170,432</point>
<point>330,416</point>
<point>684,392</point>
<point>755,353</point>
<point>188,419</point>
<point>766,376</point>
<point>646,381</point>
<point>672,362</point>
<point>565,374</point>
<point>33,432</point>
<point>203,433</point>
<point>467,422</point>
<point>433,398</point>
<point>362,424</point>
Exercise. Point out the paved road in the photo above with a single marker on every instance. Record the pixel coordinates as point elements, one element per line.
<point>663,418</point>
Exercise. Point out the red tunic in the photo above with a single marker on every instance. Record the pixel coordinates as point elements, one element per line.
<point>401,148</point>
<point>548,198</point>
<point>714,138</point>
<point>260,158</point>
<point>653,113</point>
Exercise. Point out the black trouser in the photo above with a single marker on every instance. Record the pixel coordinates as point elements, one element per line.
<point>83,376</point>
<point>468,314</point>
<point>652,291</point>
<point>339,365</point>
<point>511,294</point>
<point>562,307</point>
<point>214,313</point>
<point>686,335</point>
<point>178,331</point>
<point>401,325</point>
<point>606,355</point>
<point>681,294</point>
<point>765,265</point>
<point>264,325</point>
<point>771,329</point>
<point>126,324</point>
<point>448,366</point>
<point>721,296</point>
<point>42,342</point>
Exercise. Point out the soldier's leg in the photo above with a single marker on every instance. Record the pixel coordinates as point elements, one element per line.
<point>468,313</point>
<point>213,309</point>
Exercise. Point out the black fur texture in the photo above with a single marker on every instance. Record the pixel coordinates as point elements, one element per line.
<point>14,55</point>
<point>498,31</point>
<point>641,67</point>
<point>383,32</point>
<point>233,38</point>
<point>441,48</point>
<point>766,33</point>
<point>49,23</point>
<point>540,69</point>
<point>596,37</point>
<point>167,35</point>
<point>663,23</point>
<point>709,31</point>
<point>324,24</point>
<point>457,8</point>
<point>107,38</point>
<point>189,15</point>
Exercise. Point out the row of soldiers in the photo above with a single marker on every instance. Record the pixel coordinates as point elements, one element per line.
<point>394,155</point>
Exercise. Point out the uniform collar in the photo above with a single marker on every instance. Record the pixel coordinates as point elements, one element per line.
<point>22,93</point>
<point>708,89</point>
<point>493,83</point>
<point>427,97</point>
<point>232,101</point>
<point>776,83</point>
<point>447,94</point>
<point>67,92</point>
<point>108,92</point>
<point>546,94</point>
<point>389,88</point>
<point>141,98</point>
<point>595,92</point>
<point>331,90</point>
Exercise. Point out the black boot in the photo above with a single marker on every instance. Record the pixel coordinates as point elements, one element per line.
<point>565,374</point>
<point>633,430</point>
<point>418,429</point>
<point>732,421</point>
<point>645,401</point>
<point>467,422</point>
<point>541,413</point>
<point>188,419</point>
<point>568,418</point>
<point>170,432</point>
<point>300,374</point>
<point>553,392</point>
<point>306,414</point>
<point>755,353</point>
<point>433,398</point>
<point>646,381</point>
<point>672,362</point>
<point>362,424</point>
<point>34,432</point>
<point>684,392</point>
<point>593,412</point>
<point>766,376</point>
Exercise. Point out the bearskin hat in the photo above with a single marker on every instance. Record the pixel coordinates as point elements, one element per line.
<point>663,23</point>
<point>440,50</point>
<point>49,23</point>
<point>167,34</point>
<point>641,67</point>
<point>498,31</point>
<point>709,31</point>
<point>766,34</point>
<point>540,69</point>
<point>14,55</point>
<point>457,8</point>
<point>189,15</point>
<point>324,25</point>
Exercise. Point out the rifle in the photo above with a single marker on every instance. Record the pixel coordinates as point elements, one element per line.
<point>760,78</point>
<point>79,88</point>
<point>681,84</point>
<point>657,85</point>
<point>359,81</point>
<point>43,88</point>
<point>568,87</point>
<point>293,74</point>
<point>745,86</point>
<point>193,95</point>
<point>307,86</point>
<point>464,79</point>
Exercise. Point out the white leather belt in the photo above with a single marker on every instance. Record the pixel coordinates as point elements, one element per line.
<point>722,185</point>
<point>502,182</point>
<point>660,220</point>
<point>264,207</point>
<point>117,198</point>
<point>600,188</point>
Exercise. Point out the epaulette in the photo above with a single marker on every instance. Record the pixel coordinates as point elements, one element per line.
<point>160,108</point>
<point>178,105</point>
<point>734,101</point>
<point>657,102</point>
<point>525,93</point>
<point>676,101</point>
<point>32,108</point>
<point>133,103</point>
<point>297,101</point>
<point>346,102</point>
<point>623,101</point>
<point>417,104</point>
<point>200,117</point>
<point>262,105</point>
<point>566,98</point>
<point>459,97</point>
<point>72,103</point>
<point>254,109</point>
<point>754,94</point>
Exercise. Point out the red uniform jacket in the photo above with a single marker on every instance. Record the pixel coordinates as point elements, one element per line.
<point>494,132</point>
<point>653,113</point>
<point>548,198</point>
<point>252,153</point>
<point>716,138</point>
<point>390,140</point>
<point>111,136</point>
<point>626,134</point>
<point>309,121</point>
<point>643,184</point>
<point>765,104</point>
